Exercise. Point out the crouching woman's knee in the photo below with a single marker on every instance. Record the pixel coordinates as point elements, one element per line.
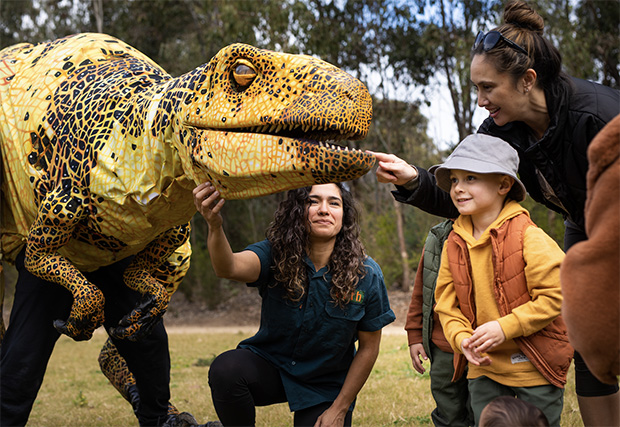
<point>226,373</point>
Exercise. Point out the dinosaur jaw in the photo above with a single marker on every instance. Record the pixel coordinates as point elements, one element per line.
<point>246,165</point>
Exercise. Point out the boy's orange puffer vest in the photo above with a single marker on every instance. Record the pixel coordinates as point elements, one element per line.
<point>548,349</point>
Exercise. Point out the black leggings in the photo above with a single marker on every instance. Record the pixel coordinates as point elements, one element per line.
<point>240,380</point>
<point>586,384</point>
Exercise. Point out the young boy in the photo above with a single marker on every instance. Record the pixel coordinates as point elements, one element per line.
<point>427,340</point>
<point>498,290</point>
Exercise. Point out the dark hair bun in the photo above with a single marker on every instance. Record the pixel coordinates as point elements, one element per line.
<point>520,14</point>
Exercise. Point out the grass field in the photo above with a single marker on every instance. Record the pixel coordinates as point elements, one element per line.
<point>75,392</point>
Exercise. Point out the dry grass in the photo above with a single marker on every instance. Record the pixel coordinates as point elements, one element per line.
<point>75,393</point>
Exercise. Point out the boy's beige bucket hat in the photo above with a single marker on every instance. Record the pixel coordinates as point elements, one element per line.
<point>482,153</point>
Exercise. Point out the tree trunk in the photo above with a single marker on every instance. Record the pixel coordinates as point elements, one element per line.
<point>406,282</point>
<point>98,12</point>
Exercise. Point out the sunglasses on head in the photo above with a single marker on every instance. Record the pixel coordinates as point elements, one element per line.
<point>490,40</point>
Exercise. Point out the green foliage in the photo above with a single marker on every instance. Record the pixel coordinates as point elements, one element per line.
<point>586,33</point>
<point>200,283</point>
<point>598,27</point>
<point>12,27</point>
<point>379,239</point>
<point>551,222</point>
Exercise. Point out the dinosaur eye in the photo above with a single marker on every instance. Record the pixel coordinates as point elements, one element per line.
<point>243,73</point>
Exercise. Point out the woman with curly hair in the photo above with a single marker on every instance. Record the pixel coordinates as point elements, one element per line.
<point>320,293</point>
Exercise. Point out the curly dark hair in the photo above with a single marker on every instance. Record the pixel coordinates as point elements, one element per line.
<point>290,242</point>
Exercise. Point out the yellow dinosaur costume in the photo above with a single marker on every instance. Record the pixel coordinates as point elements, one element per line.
<point>101,149</point>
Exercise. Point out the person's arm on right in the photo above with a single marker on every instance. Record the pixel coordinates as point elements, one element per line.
<point>392,169</point>
<point>414,186</point>
<point>241,266</point>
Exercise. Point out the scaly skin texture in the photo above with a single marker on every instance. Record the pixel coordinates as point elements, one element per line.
<point>101,148</point>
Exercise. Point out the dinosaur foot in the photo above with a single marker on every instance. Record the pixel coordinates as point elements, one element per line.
<point>185,419</point>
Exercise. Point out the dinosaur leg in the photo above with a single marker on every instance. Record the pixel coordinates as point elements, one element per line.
<point>170,274</point>
<point>147,359</point>
<point>140,276</point>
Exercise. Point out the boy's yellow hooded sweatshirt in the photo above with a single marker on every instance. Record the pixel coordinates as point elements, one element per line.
<point>542,257</point>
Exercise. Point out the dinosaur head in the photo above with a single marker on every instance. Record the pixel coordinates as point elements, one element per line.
<point>258,122</point>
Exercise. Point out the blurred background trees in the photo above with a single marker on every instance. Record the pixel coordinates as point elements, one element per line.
<point>410,53</point>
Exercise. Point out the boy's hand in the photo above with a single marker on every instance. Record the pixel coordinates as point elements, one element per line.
<point>416,351</point>
<point>488,336</point>
<point>473,355</point>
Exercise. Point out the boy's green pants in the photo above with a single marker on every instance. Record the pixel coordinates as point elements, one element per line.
<point>452,399</point>
<point>549,398</point>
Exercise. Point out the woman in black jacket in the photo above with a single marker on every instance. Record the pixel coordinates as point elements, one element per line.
<point>550,119</point>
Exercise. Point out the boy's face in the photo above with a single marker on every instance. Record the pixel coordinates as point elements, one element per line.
<point>478,193</point>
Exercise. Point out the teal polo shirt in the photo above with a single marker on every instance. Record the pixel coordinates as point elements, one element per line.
<point>312,341</point>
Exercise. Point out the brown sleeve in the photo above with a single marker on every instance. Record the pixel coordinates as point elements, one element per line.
<point>413,324</point>
<point>590,273</point>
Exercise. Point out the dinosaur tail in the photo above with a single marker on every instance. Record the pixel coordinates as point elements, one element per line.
<point>116,371</point>
<point>114,367</point>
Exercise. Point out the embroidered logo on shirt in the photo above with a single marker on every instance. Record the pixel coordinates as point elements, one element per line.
<point>357,297</point>
<point>519,358</point>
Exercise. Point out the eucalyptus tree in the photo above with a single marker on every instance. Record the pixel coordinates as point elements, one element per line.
<point>587,34</point>
<point>598,27</point>
<point>435,46</point>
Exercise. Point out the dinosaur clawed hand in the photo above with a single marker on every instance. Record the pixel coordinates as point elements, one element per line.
<point>148,311</point>
<point>86,314</point>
